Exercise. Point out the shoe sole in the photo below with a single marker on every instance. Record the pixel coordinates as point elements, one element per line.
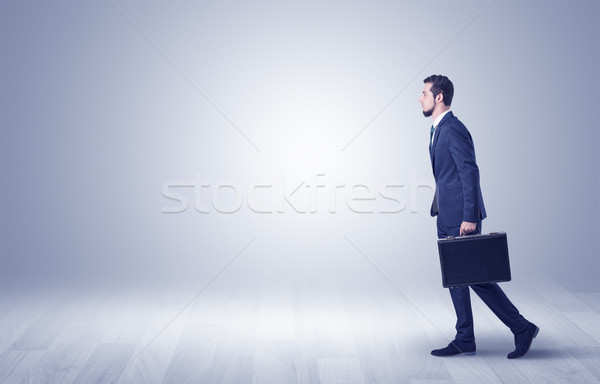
<point>456,354</point>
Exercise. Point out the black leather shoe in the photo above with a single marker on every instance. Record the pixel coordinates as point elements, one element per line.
<point>456,347</point>
<point>523,341</point>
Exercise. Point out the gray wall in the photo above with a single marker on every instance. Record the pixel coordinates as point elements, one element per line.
<point>104,104</point>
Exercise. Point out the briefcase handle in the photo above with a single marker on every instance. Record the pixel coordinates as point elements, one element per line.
<point>467,236</point>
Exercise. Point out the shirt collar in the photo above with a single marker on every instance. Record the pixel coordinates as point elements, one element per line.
<point>436,122</point>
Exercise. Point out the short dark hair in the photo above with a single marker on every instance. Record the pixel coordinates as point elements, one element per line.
<point>443,85</point>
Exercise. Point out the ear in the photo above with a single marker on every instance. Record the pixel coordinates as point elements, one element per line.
<point>439,98</point>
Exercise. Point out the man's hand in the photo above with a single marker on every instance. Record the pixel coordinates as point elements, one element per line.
<point>466,228</point>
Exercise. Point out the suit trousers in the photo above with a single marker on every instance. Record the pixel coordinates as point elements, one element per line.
<point>491,294</point>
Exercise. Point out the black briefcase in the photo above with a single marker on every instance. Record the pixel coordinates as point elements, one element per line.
<point>474,259</point>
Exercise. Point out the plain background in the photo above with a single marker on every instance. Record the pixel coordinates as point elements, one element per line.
<point>103,103</point>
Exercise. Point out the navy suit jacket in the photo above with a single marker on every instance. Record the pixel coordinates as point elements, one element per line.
<point>458,194</point>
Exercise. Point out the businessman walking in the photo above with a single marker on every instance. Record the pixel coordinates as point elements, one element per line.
<point>459,208</point>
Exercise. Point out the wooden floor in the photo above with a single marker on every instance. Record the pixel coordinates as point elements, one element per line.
<point>290,332</point>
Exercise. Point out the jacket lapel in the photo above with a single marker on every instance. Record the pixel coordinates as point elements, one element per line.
<point>435,138</point>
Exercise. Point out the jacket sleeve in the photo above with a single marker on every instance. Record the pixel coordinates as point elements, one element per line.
<point>463,152</point>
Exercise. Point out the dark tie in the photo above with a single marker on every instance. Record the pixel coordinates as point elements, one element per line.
<point>430,136</point>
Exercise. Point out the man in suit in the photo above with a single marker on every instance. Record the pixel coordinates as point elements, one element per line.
<point>458,205</point>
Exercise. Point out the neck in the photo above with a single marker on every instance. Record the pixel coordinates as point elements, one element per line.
<point>438,111</point>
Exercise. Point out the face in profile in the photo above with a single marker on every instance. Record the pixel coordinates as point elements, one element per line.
<point>427,100</point>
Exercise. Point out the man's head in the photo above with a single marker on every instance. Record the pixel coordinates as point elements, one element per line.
<point>437,94</point>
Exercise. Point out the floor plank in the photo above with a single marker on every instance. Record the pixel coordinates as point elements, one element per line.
<point>157,344</point>
<point>63,361</point>
<point>105,364</point>
<point>15,364</point>
<point>19,319</point>
<point>340,371</point>
<point>235,352</point>
<point>306,339</point>
<point>274,362</point>
<point>195,351</point>
<point>46,329</point>
<point>587,357</point>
